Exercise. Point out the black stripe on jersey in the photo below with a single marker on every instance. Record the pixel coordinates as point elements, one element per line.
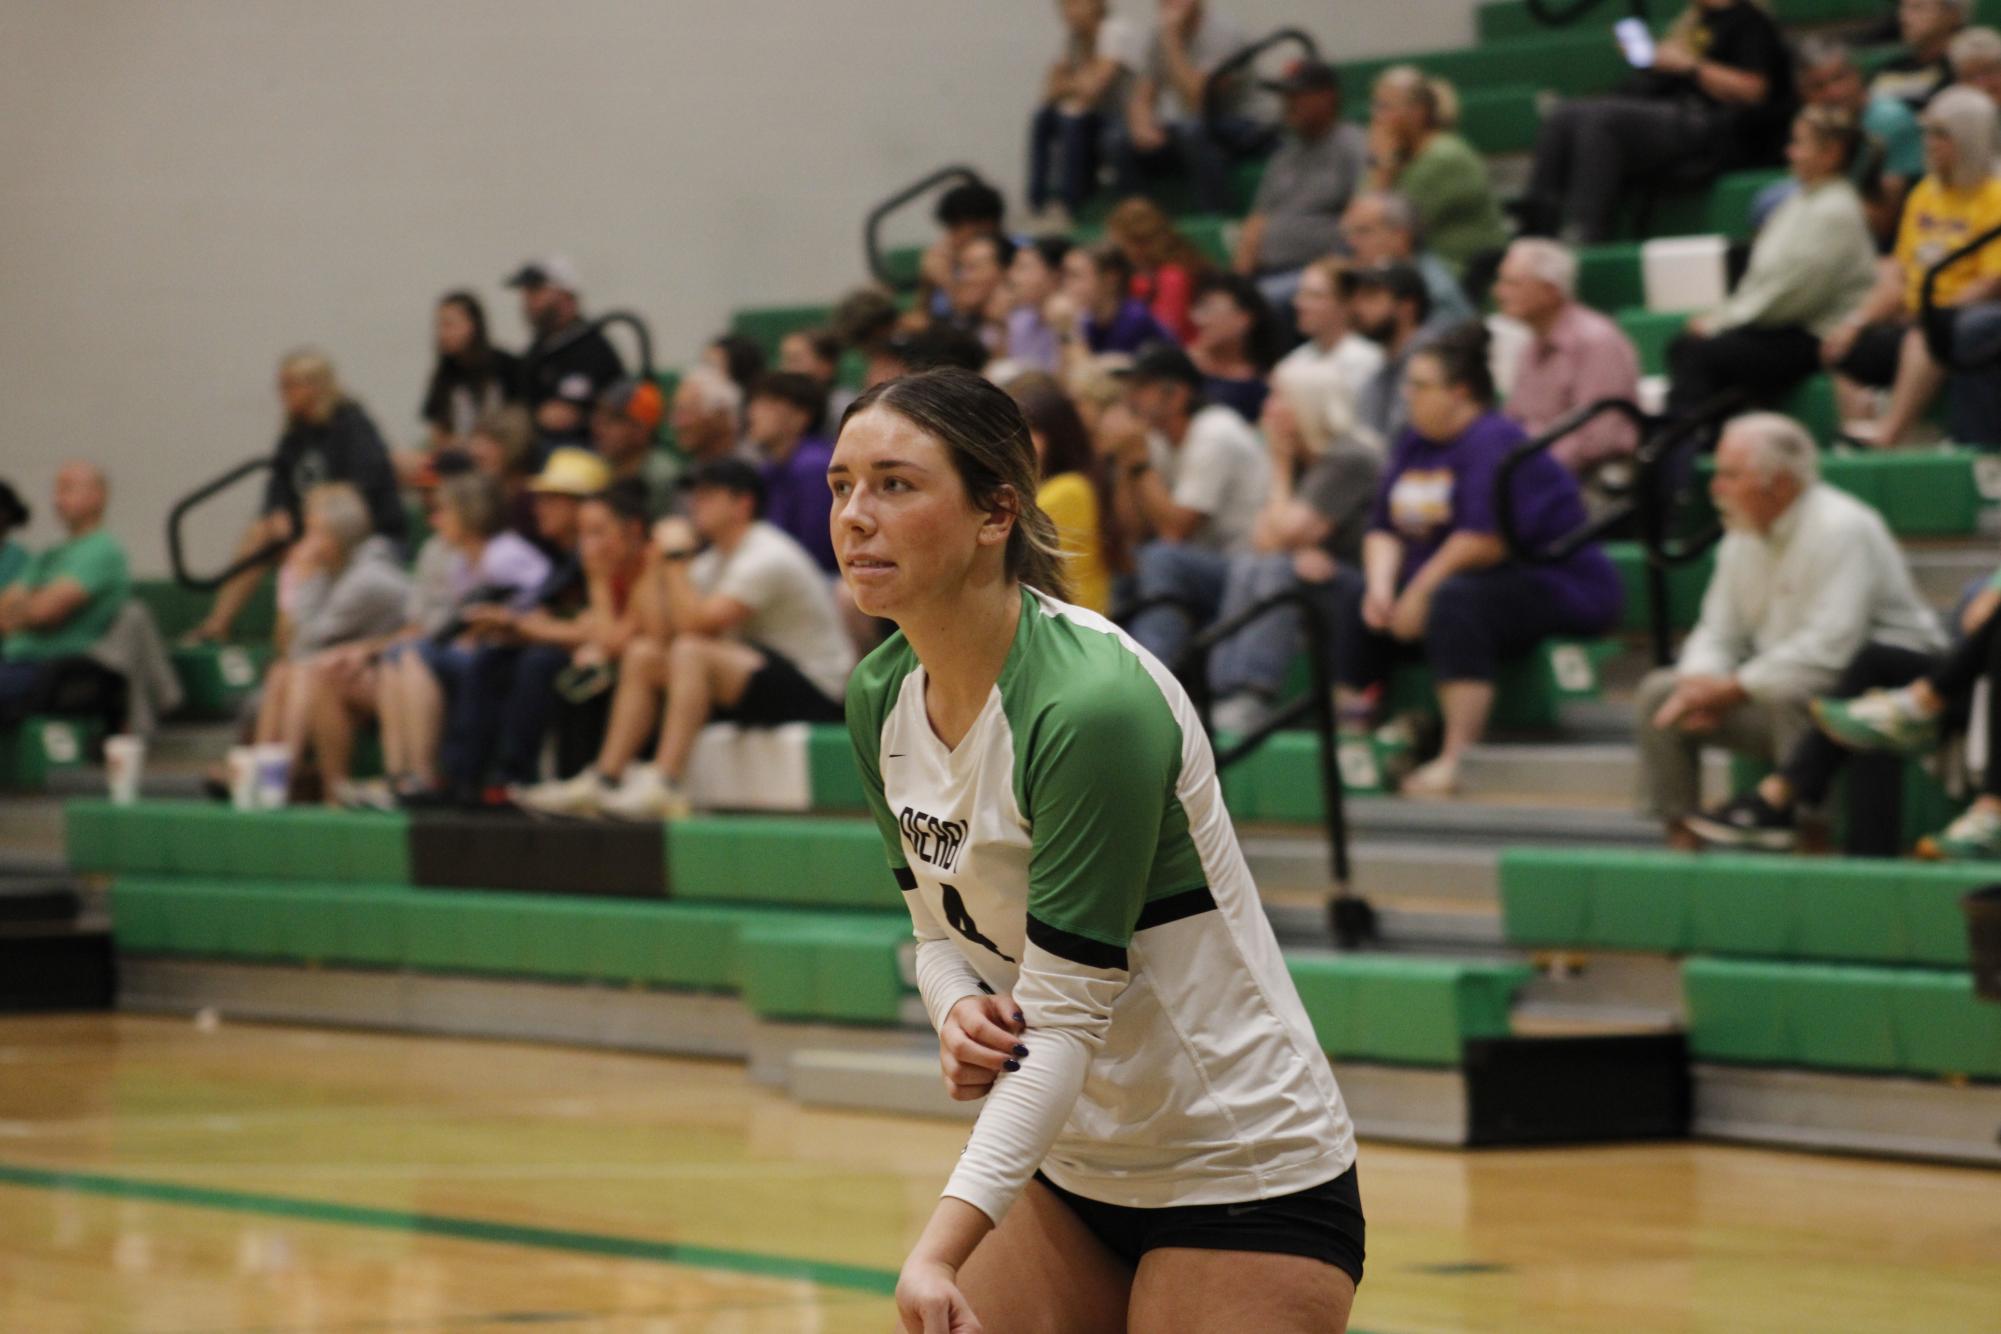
<point>1077,949</point>
<point>1175,907</point>
<point>906,879</point>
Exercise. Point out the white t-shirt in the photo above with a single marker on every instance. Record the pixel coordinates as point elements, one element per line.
<point>1223,470</point>
<point>792,608</point>
<point>1330,381</point>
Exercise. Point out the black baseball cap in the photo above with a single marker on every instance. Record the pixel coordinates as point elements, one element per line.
<point>735,475</point>
<point>1160,361</point>
<point>1400,280</point>
<point>1309,76</point>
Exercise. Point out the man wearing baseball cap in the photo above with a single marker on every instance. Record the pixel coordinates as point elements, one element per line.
<point>623,431</point>
<point>570,363</point>
<point>1296,216</point>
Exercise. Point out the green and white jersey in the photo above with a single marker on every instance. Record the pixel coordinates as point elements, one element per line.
<point>1073,850</point>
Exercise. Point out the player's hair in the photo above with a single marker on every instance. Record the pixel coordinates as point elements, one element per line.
<point>986,437</point>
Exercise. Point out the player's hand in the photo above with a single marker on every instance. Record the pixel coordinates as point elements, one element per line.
<point>981,1038</point>
<point>928,1301</point>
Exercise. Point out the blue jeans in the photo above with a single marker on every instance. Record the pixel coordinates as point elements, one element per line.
<point>1975,408</point>
<point>1257,657</point>
<point>1194,578</point>
<point>1073,140</point>
<point>1194,150</point>
<point>22,685</point>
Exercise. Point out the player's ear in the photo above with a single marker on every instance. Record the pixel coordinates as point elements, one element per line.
<point>1002,512</point>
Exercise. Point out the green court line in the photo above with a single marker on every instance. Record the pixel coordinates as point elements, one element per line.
<point>851,1277</point>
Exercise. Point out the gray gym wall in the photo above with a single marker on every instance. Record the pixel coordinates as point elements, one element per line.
<point>193,187</point>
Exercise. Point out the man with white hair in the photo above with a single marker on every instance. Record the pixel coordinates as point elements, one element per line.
<point>1575,355</point>
<point>1975,55</point>
<point>1805,576</point>
<point>1927,28</point>
<point>708,415</point>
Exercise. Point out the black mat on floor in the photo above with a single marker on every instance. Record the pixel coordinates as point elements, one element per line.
<point>1569,1090</point>
<point>455,851</point>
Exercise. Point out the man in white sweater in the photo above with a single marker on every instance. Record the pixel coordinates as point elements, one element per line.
<point>1805,576</point>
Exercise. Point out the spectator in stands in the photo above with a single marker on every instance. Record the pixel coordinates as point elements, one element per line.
<point>968,210</point>
<point>14,515</point>
<point>1435,569</point>
<point>1381,228</point>
<point>1165,264</point>
<point>738,356</point>
<point>624,429</point>
<point>1924,67</point>
<point>1296,217</point>
<point>571,361</point>
<point>747,632</point>
<point>979,290</point>
<point>925,349</point>
<point>1185,48</point>
<point>1975,54</point>
<point>1032,279</point>
<point>472,377</point>
<point>1575,356</point>
<point>1094,313</point>
<point>1322,490</point>
<point>1198,489</point>
<point>786,414</point>
<point>1083,99</point>
<point>1076,490</point>
<point>1235,344</point>
<point>1813,262</point>
<point>1719,96</point>
<point>501,444</point>
<point>1414,152</point>
<point>1805,576</point>
<point>1879,343</point>
<point>1333,353</point>
<point>61,603</point>
<point>865,320</point>
<point>817,352</point>
<point>420,698</point>
<point>1891,700</point>
<point>327,438</point>
<point>1890,156</point>
<point>707,408</point>
<point>1391,307</point>
<point>344,584</point>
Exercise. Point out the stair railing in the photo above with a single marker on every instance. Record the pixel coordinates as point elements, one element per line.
<point>872,227</point>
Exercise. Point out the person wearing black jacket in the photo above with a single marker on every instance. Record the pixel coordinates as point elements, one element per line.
<point>327,438</point>
<point>1718,96</point>
<point>570,362</point>
<point>472,377</point>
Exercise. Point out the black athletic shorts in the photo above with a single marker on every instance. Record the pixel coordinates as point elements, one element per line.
<point>1322,1222</point>
<point>779,692</point>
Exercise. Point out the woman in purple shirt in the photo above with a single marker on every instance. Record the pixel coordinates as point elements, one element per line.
<point>1437,581</point>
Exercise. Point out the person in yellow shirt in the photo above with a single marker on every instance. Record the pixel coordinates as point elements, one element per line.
<point>1880,343</point>
<point>1073,491</point>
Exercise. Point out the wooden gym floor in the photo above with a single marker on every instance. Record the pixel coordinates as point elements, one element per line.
<point>157,1176</point>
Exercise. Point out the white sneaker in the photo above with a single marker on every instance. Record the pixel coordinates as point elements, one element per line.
<point>581,795</point>
<point>646,795</point>
<point>1240,713</point>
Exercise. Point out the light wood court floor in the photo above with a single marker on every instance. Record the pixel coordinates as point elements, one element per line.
<point>158,1178</point>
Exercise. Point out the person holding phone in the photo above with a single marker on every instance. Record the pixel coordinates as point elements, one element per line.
<point>1715,93</point>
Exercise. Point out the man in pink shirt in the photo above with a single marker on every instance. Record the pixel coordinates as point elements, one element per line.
<point>1574,356</point>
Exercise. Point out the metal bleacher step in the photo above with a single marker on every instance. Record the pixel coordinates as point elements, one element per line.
<point>1589,771</point>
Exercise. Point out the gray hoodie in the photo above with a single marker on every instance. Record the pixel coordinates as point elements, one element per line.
<point>363,599</point>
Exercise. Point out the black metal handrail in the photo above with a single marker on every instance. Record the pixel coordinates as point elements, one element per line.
<point>1937,321</point>
<point>872,227</point>
<point>177,552</point>
<point>1650,502</point>
<point>642,334</point>
<point>1350,916</point>
<point>1220,77</point>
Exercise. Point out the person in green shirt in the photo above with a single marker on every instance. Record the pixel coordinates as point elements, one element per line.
<point>1413,152</point>
<point>13,514</point>
<point>66,598</point>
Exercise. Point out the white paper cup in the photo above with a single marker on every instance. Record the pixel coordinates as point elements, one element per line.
<point>274,776</point>
<point>243,777</point>
<point>124,765</point>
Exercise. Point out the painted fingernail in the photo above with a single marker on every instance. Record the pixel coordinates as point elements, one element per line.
<point>1020,1050</point>
<point>1011,1065</point>
<point>1019,1016</point>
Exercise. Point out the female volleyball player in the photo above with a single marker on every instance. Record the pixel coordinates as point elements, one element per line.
<point>1163,1145</point>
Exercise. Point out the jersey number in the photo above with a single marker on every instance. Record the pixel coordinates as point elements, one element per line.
<point>962,921</point>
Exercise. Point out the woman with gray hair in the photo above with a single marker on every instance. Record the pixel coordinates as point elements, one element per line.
<point>342,582</point>
<point>1879,345</point>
